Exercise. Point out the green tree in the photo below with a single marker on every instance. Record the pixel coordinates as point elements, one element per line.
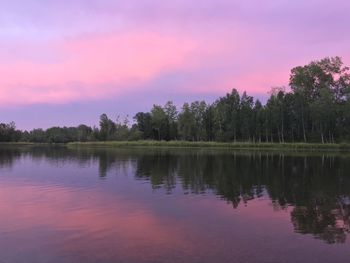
<point>247,117</point>
<point>323,113</point>
<point>84,133</point>
<point>144,124</point>
<point>209,123</point>
<point>107,127</point>
<point>198,109</point>
<point>228,115</point>
<point>160,122</point>
<point>308,81</point>
<point>38,135</point>
<point>172,115</point>
<point>259,119</point>
<point>277,112</point>
<point>8,132</point>
<point>187,123</point>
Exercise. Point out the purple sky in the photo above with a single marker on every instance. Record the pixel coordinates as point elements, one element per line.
<point>66,62</point>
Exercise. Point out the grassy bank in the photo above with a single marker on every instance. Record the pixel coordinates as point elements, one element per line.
<point>186,144</point>
<point>17,143</point>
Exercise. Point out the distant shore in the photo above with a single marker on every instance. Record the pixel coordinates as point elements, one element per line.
<point>345,147</point>
<point>227,145</point>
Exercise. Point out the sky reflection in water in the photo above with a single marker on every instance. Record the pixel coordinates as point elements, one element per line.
<point>100,205</point>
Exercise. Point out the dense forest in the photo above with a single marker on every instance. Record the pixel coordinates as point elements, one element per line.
<point>314,108</point>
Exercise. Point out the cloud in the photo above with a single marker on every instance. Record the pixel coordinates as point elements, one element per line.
<point>71,51</point>
<point>91,67</point>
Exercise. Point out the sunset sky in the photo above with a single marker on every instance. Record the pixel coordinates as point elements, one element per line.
<point>64,62</point>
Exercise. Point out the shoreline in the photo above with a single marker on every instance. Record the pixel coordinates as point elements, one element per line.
<point>217,145</point>
<point>316,147</point>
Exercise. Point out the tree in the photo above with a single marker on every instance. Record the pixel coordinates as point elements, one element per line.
<point>187,123</point>
<point>323,114</point>
<point>276,107</point>
<point>172,115</point>
<point>259,119</point>
<point>309,81</point>
<point>38,135</point>
<point>228,112</point>
<point>8,132</point>
<point>159,122</point>
<point>144,124</point>
<point>246,113</point>
<point>84,133</point>
<point>209,123</point>
<point>107,127</point>
<point>198,109</point>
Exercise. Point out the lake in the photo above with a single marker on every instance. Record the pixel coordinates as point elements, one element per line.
<point>61,204</point>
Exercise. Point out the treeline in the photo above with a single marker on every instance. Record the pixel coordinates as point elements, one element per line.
<point>316,108</point>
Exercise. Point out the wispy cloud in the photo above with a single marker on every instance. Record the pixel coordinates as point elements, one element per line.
<point>81,50</point>
<point>92,67</point>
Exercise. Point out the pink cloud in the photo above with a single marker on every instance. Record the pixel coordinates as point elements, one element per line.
<point>93,67</point>
<point>100,65</point>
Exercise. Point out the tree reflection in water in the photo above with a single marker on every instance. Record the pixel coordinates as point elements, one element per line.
<point>316,187</point>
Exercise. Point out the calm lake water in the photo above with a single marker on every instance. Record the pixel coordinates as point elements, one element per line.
<point>144,205</point>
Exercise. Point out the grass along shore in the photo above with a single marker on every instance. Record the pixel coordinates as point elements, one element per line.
<point>187,144</point>
<point>228,145</point>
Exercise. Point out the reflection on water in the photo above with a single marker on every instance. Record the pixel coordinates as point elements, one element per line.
<point>137,205</point>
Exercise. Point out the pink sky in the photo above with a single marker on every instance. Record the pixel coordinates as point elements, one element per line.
<point>120,57</point>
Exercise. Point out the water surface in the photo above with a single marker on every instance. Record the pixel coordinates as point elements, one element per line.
<point>155,205</point>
